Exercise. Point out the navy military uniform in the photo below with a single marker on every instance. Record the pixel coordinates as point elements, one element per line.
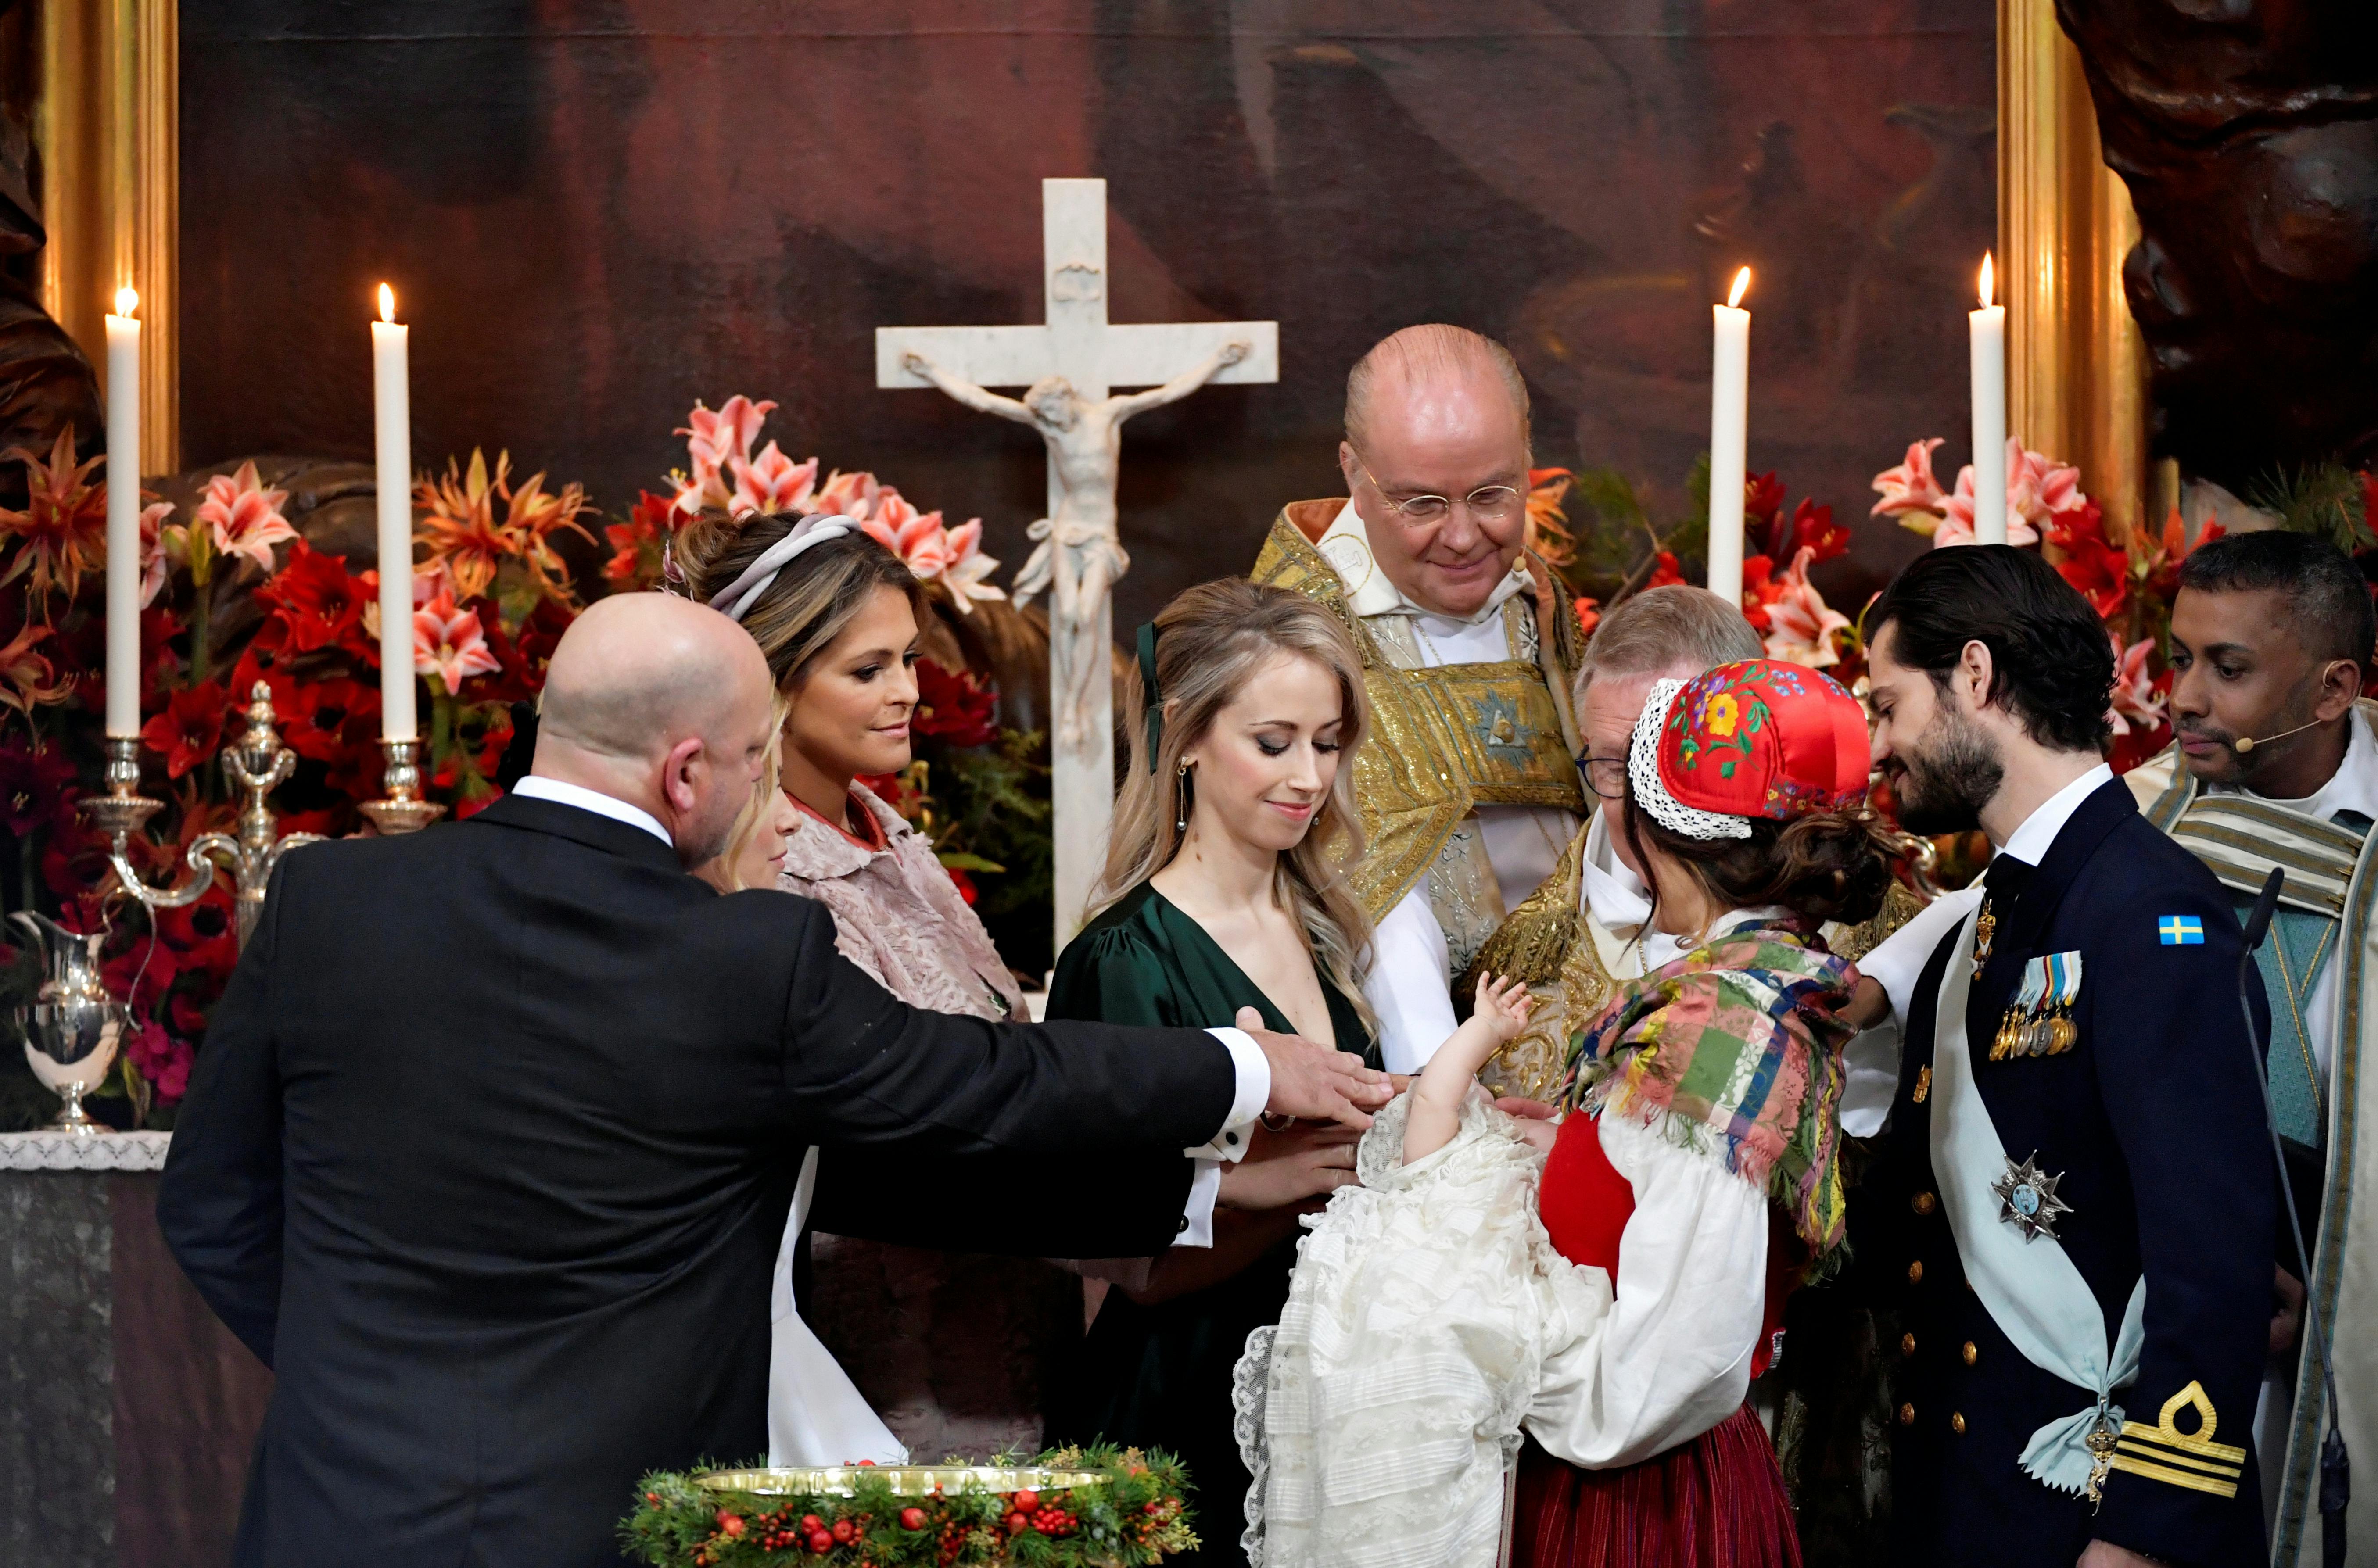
<point>2151,1115</point>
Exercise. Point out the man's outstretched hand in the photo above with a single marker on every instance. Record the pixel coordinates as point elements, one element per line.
<point>1314,1082</point>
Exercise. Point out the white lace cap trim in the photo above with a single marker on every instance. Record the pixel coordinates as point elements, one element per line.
<point>1643,774</point>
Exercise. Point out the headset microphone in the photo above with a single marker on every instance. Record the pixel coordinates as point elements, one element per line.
<point>2246,743</point>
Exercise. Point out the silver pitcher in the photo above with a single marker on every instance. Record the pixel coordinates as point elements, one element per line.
<point>74,1027</point>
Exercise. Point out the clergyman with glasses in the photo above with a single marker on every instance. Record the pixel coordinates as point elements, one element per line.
<point>1468,784</point>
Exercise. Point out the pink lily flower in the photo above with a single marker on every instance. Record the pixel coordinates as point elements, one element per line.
<point>450,644</point>
<point>715,437</point>
<point>154,559</point>
<point>771,482</point>
<point>916,537</point>
<point>2039,488</point>
<point>966,576</point>
<point>1910,487</point>
<point>1800,624</point>
<point>244,516</point>
<point>2136,697</point>
<point>850,495</point>
<point>1956,525</point>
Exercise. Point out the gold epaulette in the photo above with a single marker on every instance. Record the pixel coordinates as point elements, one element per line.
<point>1900,905</point>
<point>2163,1453</point>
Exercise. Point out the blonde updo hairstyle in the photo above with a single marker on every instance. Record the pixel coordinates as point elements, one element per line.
<point>813,599</point>
<point>1211,641</point>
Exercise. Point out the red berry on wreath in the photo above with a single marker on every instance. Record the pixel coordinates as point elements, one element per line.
<point>812,1523</point>
<point>1018,1523</point>
<point>1026,1500</point>
<point>912,1518</point>
<point>844,1530</point>
<point>729,1523</point>
<point>819,1542</point>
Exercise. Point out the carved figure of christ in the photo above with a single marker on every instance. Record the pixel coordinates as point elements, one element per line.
<point>1070,363</point>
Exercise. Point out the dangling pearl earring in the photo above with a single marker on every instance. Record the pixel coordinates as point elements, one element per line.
<point>1180,800</point>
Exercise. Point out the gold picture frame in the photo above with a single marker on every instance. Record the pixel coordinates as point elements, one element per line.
<point>106,123</point>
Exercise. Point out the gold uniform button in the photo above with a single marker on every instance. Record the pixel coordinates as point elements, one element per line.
<point>1957,1423</point>
<point>1915,1271</point>
<point>1970,1353</point>
<point>1926,1202</point>
<point>1907,1344</point>
<point>1908,1414</point>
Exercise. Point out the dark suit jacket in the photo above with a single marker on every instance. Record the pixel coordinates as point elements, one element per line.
<point>489,1150</point>
<point>2154,1122</point>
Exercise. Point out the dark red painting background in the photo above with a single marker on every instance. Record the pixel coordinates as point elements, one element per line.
<point>595,212</point>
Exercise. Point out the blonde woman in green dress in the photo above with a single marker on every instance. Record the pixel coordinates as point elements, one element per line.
<point>1224,898</point>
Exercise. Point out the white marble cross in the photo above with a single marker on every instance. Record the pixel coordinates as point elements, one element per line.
<point>1071,361</point>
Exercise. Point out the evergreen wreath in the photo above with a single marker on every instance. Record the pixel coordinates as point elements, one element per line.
<point>1139,1516</point>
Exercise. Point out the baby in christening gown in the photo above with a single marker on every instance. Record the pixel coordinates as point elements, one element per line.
<point>1466,1297</point>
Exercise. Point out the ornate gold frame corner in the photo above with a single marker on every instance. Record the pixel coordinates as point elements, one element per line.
<point>2076,364</point>
<point>107,123</point>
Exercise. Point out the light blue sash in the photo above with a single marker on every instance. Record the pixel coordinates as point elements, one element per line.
<point>2031,1290</point>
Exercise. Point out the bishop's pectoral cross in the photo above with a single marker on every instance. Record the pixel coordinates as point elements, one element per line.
<point>1069,363</point>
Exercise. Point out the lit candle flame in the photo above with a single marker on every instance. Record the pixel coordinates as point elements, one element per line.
<point>387,303</point>
<point>127,300</point>
<point>1741,287</point>
<point>1990,294</point>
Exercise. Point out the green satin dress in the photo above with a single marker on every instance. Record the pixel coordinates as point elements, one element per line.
<point>1159,1376</point>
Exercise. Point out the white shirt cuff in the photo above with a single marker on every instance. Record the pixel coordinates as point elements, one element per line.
<point>1197,1219</point>
<point>1254,1093</point>
<point>1870,1063</point>
<point>1410,984</point>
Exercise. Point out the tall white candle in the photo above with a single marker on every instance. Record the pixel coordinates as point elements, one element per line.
<point>393,442</point>
<point>1729,440</point>
<point>124,517</point>
<point>1987,327</point>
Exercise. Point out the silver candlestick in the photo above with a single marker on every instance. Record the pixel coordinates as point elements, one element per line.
<point>403,811</point>
<point>256,766</point>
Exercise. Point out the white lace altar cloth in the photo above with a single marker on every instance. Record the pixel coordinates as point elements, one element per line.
<point>66,1151</point>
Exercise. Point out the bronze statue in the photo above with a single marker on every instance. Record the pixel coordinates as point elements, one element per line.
<point>2247,131</point>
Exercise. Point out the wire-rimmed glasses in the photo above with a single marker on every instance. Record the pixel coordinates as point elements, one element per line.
<point>1490,503</point>
<point>1606,776</point>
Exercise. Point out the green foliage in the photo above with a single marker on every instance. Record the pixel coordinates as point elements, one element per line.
<point>2325,500</point>
<point>994,802</point>
<point>1618,538</point>
<point>1135,1519</point>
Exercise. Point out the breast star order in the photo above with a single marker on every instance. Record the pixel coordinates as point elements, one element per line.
<point>2027,1199</point>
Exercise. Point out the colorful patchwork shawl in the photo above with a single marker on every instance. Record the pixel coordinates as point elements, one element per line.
<point>1737,1047</point>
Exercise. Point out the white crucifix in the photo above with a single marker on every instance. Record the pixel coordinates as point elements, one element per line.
<point>1070,363</point>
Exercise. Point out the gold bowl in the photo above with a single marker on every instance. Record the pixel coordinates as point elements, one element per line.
<point>905,1480</point>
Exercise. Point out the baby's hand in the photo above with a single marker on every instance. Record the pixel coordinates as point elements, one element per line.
<point>1502,1006</point>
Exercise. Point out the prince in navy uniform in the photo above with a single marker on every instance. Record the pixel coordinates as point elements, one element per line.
<point>2080,1204</point>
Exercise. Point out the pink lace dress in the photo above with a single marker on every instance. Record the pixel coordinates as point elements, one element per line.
<point>951,1349</point>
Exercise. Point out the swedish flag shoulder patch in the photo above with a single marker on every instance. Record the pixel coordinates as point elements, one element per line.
<point>2179,930</point>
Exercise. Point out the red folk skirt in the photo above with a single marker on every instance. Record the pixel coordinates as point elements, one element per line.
<point>1717,1501</point>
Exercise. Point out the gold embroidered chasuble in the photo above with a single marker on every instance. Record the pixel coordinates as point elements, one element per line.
<point>1445,738</point>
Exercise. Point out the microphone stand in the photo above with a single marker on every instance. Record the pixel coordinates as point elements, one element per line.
<point>2336,1469</point>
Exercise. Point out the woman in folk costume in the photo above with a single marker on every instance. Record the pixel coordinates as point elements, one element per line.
<point>837,616</point>
<point>1513,1336</point>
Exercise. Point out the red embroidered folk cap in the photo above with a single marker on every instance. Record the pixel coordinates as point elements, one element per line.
<point>1757,739</point>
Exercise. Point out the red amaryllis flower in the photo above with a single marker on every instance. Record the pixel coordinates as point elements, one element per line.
<point>1589,614</point>
<point>200,937</point>
<point>190,729</point>
<point>1666,572</point>
<point>1813,528</point>
<point>964,883</point>
<point>451,644</point>
<point>320,599</point>
<point>1763,499</point>
<point>956,707</point>
<point>142,973</point>
<point>33,781</point>
<point>636,544</point>
<point>318,719</point>
<point>161,1058</point>
<point>2091,563</point>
